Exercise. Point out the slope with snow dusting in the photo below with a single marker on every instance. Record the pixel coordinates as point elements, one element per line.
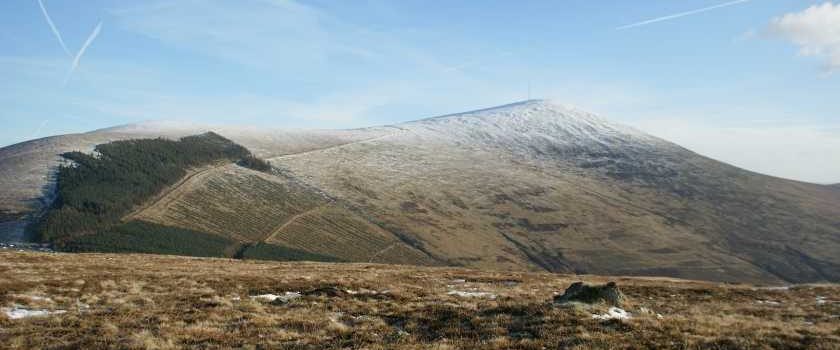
<point>527,186</point>
<point>27,168</point>
<point>536,185</point>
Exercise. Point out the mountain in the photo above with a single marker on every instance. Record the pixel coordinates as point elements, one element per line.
<point>527,186</point>
<point>28,168</point>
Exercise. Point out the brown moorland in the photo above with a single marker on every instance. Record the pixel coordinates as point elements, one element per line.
<point>162,302</point>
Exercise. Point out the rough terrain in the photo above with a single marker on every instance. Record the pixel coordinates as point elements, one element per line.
<point>59,301</point>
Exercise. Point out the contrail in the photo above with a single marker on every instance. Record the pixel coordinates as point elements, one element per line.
<point>681,14</point>
<point>79,55</point>
<point>38,131</point>
<point>54,29</point>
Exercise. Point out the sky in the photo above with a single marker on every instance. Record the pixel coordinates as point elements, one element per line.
<point>753,83</point>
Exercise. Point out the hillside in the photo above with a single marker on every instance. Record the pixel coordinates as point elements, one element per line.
<point>252,207</point>
<point>133,301</point>
<point>191,197</point>
<point>27,169</point>
<point>531,186</point>
<point>25,174</point>
<point>93,191</point>
<point>539,186</point>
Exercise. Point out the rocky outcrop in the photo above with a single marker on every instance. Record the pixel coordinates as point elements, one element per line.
<point>589,294</point>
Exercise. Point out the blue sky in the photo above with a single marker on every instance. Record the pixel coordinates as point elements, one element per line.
<point>754,83</point>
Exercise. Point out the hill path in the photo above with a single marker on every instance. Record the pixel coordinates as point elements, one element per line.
<point>293,155</point>
<point>178,187</point>
<point>289,222</point>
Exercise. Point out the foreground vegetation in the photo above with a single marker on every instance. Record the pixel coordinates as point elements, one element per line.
<point>165,302</point>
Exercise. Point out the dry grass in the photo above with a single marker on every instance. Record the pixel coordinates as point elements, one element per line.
<point>164,302</point>
<point>250,206</point>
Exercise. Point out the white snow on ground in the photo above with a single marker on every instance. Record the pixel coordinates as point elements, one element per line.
<point>645,310</point>
<point>821,300</point>
<point>17,312</point>
<point>777,288</point>
<point>613,313</point>
<point>82,306</point>
<point>34,297</point>
<point>462,294</point>
<point>768,302</point>
<point>529,123</point>
<point>364,291</point>
<point>286,297</point>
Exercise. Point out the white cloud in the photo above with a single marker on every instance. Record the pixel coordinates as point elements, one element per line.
<point>816,30</point>
<point>799,151</point>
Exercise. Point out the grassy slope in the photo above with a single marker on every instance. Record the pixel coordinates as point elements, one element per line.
<point>93,210</point>
<point>489,208</point>
<point>230,201</point>
<point>248,206</point>
<point>142,301</point>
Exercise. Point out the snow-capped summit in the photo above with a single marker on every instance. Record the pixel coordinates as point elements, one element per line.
<point>540,125</point>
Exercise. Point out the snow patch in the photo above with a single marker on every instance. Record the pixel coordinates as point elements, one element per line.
<point>34,297</point>
<point>463,294</point>
<point>364,291</point>
<point>285,297</point>
<point>645,310</point>
<point>777,288</point>
<point>613,313</point>
<point>17,312</point>
<point>821,300</point>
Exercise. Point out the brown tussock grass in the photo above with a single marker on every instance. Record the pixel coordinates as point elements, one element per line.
<point>165,302</point>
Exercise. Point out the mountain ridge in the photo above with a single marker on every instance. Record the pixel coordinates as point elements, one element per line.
<point>526,186</point>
